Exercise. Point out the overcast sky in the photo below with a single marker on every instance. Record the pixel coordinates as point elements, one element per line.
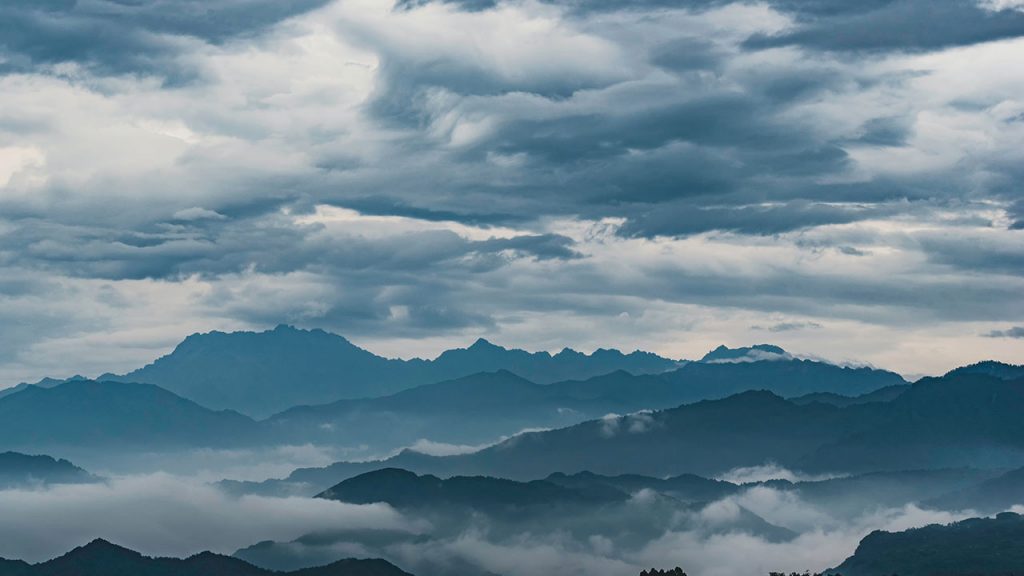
<point>844,178</point>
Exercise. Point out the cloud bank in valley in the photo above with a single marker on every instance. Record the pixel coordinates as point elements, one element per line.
<point>161,514</point>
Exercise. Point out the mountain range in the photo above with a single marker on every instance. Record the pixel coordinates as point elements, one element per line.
<point>952,421</point>
<point>260,373</point>
<point>115,415</point>
<point>470,410</point>
<point>101,558</point>
<point>21,470</point>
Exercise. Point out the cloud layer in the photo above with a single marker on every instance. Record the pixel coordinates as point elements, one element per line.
<point>416,175</point>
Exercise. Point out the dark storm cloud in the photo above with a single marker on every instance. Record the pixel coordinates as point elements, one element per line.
<point>128,36</point>
<point>900,25</point>
<point>270,245</point>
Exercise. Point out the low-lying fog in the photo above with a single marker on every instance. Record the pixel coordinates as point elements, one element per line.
<point>175,515</point>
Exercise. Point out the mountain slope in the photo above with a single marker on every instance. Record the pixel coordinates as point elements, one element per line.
<point>980,546</point>
<point>956,421</point>
<point>101,558</point>
<point>114,414</point>
<point>18,469</point>
<point>784,377</point>
<point>403,489</point>
<point>988,497</point>
<point>267,372</point>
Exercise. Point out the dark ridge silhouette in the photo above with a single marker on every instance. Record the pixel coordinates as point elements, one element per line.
<point>260,373</point>
<point>101,558</point>
<point>887,394</point>
<point>18,469</point>
<point>404,489</point>
<point>969,420</point>
<point>991,368</point>
<point>726,354</point>
<point>988,497</point>
<point>115,414</point>
<point>980,546</point>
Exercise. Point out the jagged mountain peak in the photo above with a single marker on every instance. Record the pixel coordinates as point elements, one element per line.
<point>746,353</point>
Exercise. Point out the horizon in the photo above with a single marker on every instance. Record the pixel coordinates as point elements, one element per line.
<point>799,355</point>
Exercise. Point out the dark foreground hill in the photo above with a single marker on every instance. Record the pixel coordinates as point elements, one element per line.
<point>260,373</point>
<point>976,547</point>
<point>101,558</point>
<point>18,469</point>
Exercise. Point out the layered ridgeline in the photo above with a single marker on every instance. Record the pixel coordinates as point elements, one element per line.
<point>952,421</point>
<point>116,415</point>
<point>989,546</point>
<point>579,510</point>
<point>263,373</point>
<point>101,558</point>
<point>259,373</point>
<point>470,410</point>
<point>565,512</point>
<point>23,470</point>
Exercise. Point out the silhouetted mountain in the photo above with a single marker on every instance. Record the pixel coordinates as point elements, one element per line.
<point>477,409</point>
<point>992,495</point>
<point>101,558</point>
<point>114,414</point>
<point>886,394</point>
<point>403,489</point>
<point>504,511</point>
<point>949,422</point>
<point>976,547</point>
<point>746,354</point>
<point>44,383</point>
<point>18,469</point>
<point>784,377</point>
<point>260,373</point>
<point>991,368</point>
<point>472,410</point>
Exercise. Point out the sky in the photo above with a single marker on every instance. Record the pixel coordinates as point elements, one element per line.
<point>842,178</point>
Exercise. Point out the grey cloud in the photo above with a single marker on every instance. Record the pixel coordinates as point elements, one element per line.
<point>788,326</point>
<point>1013,332</point>
<point>127,36</point>
<point>901,25</point>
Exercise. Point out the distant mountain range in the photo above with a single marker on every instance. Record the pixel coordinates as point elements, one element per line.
<point>18,470</point>
<point>260,373</point>
<point>101,558</point>
<point>263,373</point>
<point>956,420</point>
<point>470,410</point>
<point>982,546</point>
<point>115,415</point>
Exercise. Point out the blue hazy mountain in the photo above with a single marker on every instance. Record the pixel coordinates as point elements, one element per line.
<point>481,407</point>
<point>887,394</point>
<point>953,421</point>
<point>774,370</point>
<point>18,469</point>
<point>992,368</point>
<point>101,558</point>
<point>260,373</point>
<point>115,414</point>
<point>982,546</point>
<point>992,495</point>
<point>43,383</point>
<point>745,354</point>
<point>403,489</point>
<point>500,511</point>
